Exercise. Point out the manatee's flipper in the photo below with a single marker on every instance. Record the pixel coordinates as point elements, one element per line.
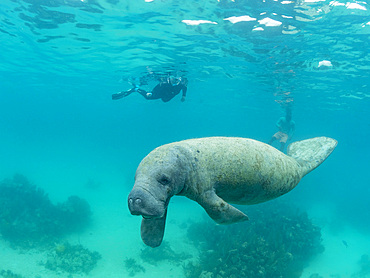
<point>152,230</point>
<point>311,153</point>
<point>220,211</point>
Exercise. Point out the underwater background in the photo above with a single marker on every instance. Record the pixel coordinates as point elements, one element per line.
<point>61,135</point>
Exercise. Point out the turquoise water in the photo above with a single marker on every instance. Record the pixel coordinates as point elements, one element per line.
<point>62,59</point>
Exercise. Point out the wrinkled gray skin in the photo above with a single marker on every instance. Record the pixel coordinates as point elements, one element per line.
<point>159,176</point>
<point>214,172</point>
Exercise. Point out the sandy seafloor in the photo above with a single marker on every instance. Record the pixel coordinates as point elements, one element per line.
<point>115,234</point>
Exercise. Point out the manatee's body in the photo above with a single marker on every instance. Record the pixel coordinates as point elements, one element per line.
<point>240,171</point>
<point>217,171</point>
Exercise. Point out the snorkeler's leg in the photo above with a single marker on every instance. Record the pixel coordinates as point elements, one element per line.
<point>122,94</point>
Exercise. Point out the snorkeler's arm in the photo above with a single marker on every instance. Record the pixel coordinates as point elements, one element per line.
<point>184,90</point>
<point>278,123</point>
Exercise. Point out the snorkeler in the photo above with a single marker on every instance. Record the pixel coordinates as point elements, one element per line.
<point>286,130</point>
<point>166,90</point>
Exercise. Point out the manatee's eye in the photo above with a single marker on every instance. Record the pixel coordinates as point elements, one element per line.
<point>164,180</point>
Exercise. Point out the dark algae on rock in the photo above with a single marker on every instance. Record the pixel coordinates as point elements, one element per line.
<point>277,242</point>
<point>364,264</point>
<point>155,256</point>
<point>162,253</point>
<point>72,259</point>
<point>9,274</point>
<point>28,219</point>
<point>133,267</point>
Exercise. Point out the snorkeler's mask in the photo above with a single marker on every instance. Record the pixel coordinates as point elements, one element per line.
<point>174,80</point>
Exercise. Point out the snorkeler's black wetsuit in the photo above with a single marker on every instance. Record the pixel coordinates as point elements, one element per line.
<point>164,91</point>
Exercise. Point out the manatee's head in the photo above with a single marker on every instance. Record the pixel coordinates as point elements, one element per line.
<point>160,176</point>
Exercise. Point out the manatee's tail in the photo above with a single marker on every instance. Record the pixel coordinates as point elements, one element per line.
<point>311,153</point>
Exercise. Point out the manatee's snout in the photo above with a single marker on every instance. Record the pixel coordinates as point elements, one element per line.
<point>141,202</point>
<point>136,201</point>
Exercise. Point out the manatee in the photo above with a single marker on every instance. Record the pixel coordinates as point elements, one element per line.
<point>216,172</point>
